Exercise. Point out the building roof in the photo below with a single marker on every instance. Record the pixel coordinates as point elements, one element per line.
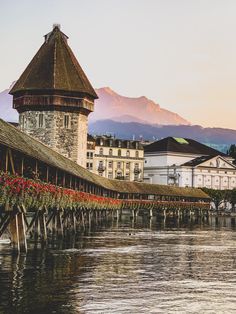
<point>54,67</point>
<point>199,160</point>
<point>182,145</point>
<point>20,141</point>
<point>110,141</point>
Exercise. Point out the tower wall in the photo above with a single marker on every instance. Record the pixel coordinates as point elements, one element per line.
<point>65,132</point>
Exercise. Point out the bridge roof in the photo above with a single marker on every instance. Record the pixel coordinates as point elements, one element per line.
<point>12,137</point>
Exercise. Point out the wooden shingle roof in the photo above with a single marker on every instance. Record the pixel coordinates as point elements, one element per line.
<point>54,67</point>
<point>12,137</point>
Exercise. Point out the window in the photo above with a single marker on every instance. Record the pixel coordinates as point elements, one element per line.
<point>110,164</point>
<point>119,165</point>
<point>119,152</point>
<point>23,122</point>
<point>41,120</point>
<point>110,176</point>
<point>127,165</point>
<point>90,155</point>
<point>137,154</point>
<point>127,153</point>
<point>101,151</point>
<point>110,152</point>
<point>136,166</point>
<point>89,165</point>
<point>110,143</point>
<point>66,121</point>
<point>119,143</point>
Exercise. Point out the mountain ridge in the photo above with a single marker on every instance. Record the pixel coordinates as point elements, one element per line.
<point>126,125</point>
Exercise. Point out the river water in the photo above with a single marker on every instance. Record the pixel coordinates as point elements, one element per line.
<point>147,266</point>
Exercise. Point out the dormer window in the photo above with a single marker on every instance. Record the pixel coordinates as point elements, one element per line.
<point>101,151</point>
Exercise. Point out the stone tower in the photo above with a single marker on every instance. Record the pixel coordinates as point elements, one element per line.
<point>54,98</point>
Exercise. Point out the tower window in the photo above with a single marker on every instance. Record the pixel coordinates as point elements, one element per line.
<point>41,120</point>
<point>66,121</point>
<point>23,122</point>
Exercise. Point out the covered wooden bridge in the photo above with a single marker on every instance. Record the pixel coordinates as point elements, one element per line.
<point>62,194</point>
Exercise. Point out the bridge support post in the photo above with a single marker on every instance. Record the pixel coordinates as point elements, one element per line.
<point>17,231</point>
<point>14,230</point>
<point>42,223</point>
<point>59,226</point>
<point>22,232</point>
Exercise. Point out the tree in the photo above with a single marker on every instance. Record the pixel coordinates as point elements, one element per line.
<point>217,196</point>
<point>232,152</point>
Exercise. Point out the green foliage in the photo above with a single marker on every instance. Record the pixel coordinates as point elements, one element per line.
<point>232,152</point>
<point>218,197</point>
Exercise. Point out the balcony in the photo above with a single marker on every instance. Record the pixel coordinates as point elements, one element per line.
<point>137,170</point>
<point>101,168</point>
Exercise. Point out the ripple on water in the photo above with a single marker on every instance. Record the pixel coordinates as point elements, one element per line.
<point>125,270</point>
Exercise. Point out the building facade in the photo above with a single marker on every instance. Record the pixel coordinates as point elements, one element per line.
<point>115,158</point>
<point>54,98</point>
<point>187,163</point>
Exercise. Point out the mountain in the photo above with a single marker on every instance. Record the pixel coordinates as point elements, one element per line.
<point>6,111</point>
<point>111,105</point>
<point>135,130</point>
<point>137,121</point>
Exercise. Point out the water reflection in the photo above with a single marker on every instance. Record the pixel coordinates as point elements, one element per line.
<point>127,266</point>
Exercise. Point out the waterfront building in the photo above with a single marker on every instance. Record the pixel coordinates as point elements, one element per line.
<point>188,163</point>
<point>115,158</point>
<point>54,98</point>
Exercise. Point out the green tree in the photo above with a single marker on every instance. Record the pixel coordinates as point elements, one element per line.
<point>232,152</point>
<point>217,196</point>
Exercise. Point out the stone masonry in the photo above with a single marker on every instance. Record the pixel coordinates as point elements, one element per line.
<point>70,142</point>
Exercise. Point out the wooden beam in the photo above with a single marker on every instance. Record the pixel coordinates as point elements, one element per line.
<point>14,231</point>
<point>7,159</point>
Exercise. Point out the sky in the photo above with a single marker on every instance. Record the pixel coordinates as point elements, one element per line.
<point>179,53</point>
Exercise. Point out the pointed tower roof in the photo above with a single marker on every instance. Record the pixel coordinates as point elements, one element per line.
<point>54,67</point>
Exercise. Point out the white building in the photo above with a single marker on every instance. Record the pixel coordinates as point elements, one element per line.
<point>188,163</point>
<point>115,158</point>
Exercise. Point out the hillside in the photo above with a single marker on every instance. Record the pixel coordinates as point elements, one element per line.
<point>151,132</point>
<point>111,105</point>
